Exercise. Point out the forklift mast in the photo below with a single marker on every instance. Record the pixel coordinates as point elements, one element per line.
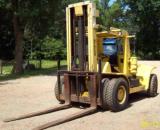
<point>81,37</point>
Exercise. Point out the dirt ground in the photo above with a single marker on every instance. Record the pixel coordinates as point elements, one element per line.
<point>31,94</point>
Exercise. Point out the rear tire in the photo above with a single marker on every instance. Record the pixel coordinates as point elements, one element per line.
<point>56,90</point>
<point>153,86</point>
<point>116,94</point>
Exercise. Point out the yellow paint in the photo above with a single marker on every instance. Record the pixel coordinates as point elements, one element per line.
<point>79,4</point>
<point>79,10</point>
<point>85,94</point>
<point>143,73</point>
<point>150,122</point>
<point>136,89</point>
<point>92,46</point>
<point>146,124</point>
<point>133,65</point>
<point>123,67</point>
<point>120,63</point>
<point>113,29</point>
<point>126,55</point>
<point>68,30</point>
<point>127,65</point>
<point>121,94</point>
<point>106,67</point>
<point>91,32</point>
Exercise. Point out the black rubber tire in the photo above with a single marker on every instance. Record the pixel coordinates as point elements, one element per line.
<point>105,83</point>
<point>153,86</point>
<point>111,92</point>
<point>56,90</point>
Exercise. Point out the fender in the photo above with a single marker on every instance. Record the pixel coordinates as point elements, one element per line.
<point>143,73</point>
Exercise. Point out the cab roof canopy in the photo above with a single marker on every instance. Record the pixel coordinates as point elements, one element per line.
<point>113,33</point>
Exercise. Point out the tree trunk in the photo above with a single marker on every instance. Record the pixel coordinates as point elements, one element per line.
<point>18,40</point>
<point>1,67</point>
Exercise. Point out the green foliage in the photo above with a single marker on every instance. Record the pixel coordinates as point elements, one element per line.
<point>147,16</point>
<point>53,49</point>
<point>6,35</point>
<point>111,15</point>
<point>48,48</point>
<point>43,25</point>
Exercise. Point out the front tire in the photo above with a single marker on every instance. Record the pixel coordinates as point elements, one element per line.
<point>153,86</point>
<point>105,83</point>
<point>116,94</point>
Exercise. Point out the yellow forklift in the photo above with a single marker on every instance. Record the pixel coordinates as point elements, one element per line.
<point>102,70</point>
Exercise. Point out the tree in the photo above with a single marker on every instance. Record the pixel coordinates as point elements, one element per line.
<point>51,48</point>
<point>18,32</point>
<point>6,35</point>
<point>33,16</point>
<point>146,15</point>
<point>111,15</point>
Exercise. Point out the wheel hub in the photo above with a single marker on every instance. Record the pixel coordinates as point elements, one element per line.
<point>121,94</point>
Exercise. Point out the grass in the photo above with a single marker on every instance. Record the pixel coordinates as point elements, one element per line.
<point>7,69</point>
<point>47,63</point>
<point>48,67</point>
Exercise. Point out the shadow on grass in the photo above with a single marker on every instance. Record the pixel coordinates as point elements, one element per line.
<point>29,73</point>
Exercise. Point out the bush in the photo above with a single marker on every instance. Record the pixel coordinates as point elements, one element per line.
<point>48,48</point>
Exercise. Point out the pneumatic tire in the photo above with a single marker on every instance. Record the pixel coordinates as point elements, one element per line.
<point>105,83</point>
<point>153,86</point>
<point>56,90</point>
<point>116,94</point>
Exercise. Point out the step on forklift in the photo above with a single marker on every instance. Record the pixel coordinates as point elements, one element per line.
<point>102,70</point>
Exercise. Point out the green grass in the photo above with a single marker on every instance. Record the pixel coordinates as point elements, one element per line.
<point>7,69</point>
<point>48,67</point>
<point>47,63</point>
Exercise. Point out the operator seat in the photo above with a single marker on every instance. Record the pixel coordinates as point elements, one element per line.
<point>111,50</point>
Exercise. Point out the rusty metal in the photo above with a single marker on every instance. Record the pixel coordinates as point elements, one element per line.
<point>67,89</point>
<point>78,77</point>
<point>85,18</point>
<point>49,110</point>
<point>68,118</point>
<point>85,100</point>
<point>81,36</point>
<point>79,43</point>
<point>100,87</point>
<point>74,98</point>
<point>93,91</point>
<point>93,103</point>
<point>73,39</point>
<point>70,97</point>
<point>59,83</point>
<point>77,87</point>
<point>77,72</point>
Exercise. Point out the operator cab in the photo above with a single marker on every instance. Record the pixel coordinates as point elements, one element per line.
<point>110,49</point>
